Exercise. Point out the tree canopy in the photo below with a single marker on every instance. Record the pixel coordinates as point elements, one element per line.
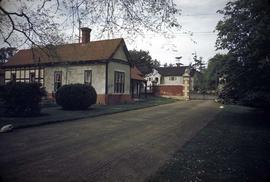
<point>215,69</point>
<point>46,21</point>
<point>245,32</point>
<point>198,63</point>
<point>143,61</point>
<point>5,53</point>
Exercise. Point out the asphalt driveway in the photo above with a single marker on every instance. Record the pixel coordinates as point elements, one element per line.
<point>128,146</point>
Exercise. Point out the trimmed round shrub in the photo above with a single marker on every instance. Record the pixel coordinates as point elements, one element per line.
<point>22,99</point>
<point>76,96</point>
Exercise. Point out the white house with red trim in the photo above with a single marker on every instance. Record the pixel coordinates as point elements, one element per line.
<point>171,81</point>
<point>104,64</point>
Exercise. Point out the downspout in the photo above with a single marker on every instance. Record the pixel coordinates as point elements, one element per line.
<point>130,82</point>
<point>39,72</point>
<point>66,65</point>
<point>106,77</point>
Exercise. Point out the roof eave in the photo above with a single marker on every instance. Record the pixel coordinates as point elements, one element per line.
<point>57,63</point>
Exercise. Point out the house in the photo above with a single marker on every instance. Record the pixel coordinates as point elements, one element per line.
<point>103,64</point>
<point>138,83</point>
<point>171,81</point>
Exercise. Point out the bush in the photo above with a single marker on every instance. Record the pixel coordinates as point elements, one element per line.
<point>22,99</point>
<point>1,91</point>
<point>76,96</point>
<point>257,99</point>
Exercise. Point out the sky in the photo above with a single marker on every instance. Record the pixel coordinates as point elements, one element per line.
<point>198,17</point>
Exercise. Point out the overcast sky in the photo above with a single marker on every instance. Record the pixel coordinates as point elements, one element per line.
<point>198,16</point>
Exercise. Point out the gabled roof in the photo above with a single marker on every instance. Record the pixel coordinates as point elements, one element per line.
<point>92,51</point>
<point>136,74</point>
<point>173,71</point>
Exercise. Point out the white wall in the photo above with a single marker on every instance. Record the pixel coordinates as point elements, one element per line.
<point>152,77</point>
<point>166,79</point>
<point>178,80</point>
<point>114,66</point>
<point>120,54</point>
<point>75,74</point>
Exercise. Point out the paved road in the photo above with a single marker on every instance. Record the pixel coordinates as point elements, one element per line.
<point>127,146</point>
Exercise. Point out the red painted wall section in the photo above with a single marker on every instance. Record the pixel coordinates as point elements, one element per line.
<point>118,99</point>
<point>105,99</point>
<point>169,90</point>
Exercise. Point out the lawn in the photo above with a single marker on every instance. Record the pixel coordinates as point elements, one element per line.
<point>148,102</point>
<point>51,113</point>
<point>235,146</point>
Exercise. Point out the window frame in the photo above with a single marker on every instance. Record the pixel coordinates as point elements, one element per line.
<point>56,87</point>
<point>172,78</point>
<point>13,77</point>
<point>119,82</point>
<point>31,80</point>
<point>91,75</point>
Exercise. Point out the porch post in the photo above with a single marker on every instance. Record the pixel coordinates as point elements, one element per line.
<point>132,88</point>
<point>145,89</point>
<point>186,80</point>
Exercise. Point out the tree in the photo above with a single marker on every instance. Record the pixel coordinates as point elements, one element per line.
<point>45,21</point>
<point>244,31</point>
<point>198,64</point>
<point>215,69</point>
<point>143,61</point>
<point>5,53</point>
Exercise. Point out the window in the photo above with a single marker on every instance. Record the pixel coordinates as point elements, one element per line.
<point>13,77</point>
<point>119,82</point>
<point>162,80</point>
<point>149,79</point>
<point>88,77</point>
<point>156,79</point>
<point>172,78</point>
<point>57,80</point>
<point>32,77</point>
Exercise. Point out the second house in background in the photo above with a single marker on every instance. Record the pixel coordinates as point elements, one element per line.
<point>171,81</point>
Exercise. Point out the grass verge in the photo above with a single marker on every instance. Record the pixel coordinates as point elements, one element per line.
<point>235,146</point>
<point>54,114</point>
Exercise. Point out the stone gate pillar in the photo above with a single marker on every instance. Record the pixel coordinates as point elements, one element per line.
<point>186,81</point>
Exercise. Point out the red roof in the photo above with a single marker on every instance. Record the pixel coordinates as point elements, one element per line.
<point>92,51</point>
<point>136,74</point>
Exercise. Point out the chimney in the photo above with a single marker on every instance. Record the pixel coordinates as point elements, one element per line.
<point>85,35</point>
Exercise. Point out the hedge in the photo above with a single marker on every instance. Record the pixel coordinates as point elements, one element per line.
<point>22,99</point>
